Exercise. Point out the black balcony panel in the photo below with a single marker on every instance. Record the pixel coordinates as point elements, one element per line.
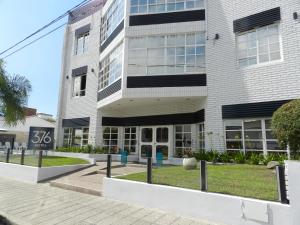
<point>168,119</point>
<point>112,36</point>
<point>111,89</point>
<point>185,80</point>
<point>162,18</point>
<point>76,122</point>
<point>257,20</point>
<point>251,110</point>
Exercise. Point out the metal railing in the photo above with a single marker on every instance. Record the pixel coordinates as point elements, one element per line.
<point>23,157</point>
<point>202,175</point>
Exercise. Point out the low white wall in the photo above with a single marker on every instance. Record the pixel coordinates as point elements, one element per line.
<point>49,172</point>
<point>224,209</point>
<point>115,157</point>
<point>93,157</point>
<point>293,175</point>
<point>73,155</point>
<point>32,174</point>
<point>18,172</point>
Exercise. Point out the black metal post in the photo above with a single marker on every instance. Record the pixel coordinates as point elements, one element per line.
<point>108,170</point>
<point>40,159</point>
<point>7,155</point>
<point>149,170</point>
<point>203,174</point>
<point>22,157</point>
<point>280,174</point>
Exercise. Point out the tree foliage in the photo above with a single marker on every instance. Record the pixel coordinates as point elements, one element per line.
<point>286,125</point>
<point>14,92</point>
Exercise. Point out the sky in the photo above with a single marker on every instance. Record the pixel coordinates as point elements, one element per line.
<point>41,61</point>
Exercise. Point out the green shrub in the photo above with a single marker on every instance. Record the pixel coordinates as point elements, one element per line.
<point>239,158</point>
<point>213,156</point>
<point>286,125</point>
<point>201,155</point>
<point>255,159</point>
<point>225,157</point>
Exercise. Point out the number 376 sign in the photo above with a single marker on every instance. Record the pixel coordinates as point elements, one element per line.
<point>41,138</point>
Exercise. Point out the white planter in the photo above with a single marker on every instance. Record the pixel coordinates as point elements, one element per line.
<point>189,163</point>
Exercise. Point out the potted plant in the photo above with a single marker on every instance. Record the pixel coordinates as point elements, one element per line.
<point>189,161</point>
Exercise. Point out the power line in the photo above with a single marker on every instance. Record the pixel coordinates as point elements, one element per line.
<point>47,25</point>
<point>35,40</point>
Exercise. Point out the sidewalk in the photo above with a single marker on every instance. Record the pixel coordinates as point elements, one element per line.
<point>28,204</point>
<point>89,180</point>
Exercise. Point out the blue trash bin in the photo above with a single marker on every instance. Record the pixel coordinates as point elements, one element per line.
<point>124,156</point>
<point>159,159</point>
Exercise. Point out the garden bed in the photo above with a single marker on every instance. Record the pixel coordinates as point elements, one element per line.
<point>242,180</point>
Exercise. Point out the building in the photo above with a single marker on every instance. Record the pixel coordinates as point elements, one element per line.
<point>153,76</point>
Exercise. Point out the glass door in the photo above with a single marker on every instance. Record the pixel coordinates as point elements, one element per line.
<point>155,143</point>
<point>146,143</point>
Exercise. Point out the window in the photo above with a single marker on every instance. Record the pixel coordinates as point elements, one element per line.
<point>271,141</point>
<point>81,44</point>
<point>79,86</point>
<point>183,140</point>
<point>110,139</point>
<point>160,6</point>
<point>250,135</point>
<point>169,54</point>
<point>112,18</point>
<point>130,139</point>
<point>111,67</point>
<point>77,137</point>
<point>201,136</point>
<point>259,46</point>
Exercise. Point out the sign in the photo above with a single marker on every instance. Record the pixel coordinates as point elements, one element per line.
<point>41,138</point>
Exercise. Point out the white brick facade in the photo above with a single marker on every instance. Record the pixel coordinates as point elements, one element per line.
<point>227,83</point>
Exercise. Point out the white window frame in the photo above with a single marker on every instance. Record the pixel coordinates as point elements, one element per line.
<point>110,146</point>
<point>185,66</point>
<point>113,16</point>
<point>105,74</point>
<point>130,139</point>
<point>81,93</point>
<point>264,139</point>
<point>85,131</point>
<point>257,64</point>
<point>148,5</point>
<point>201,136</point>
<point>190,148</point>
<point>84,46</point>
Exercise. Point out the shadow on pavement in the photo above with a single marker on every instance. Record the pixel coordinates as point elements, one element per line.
<point>4,221</point>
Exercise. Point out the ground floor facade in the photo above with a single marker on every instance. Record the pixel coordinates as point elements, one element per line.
<point>243,127</point>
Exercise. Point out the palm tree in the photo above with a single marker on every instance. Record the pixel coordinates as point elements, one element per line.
<point>14,91</point>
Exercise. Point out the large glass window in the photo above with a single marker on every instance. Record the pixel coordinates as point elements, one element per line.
<point>77,137</point>
<point>183,139</point>
<point>201,136</point>
<point>261,45</point>
<point>110,139</point>
<point>112,18</point>
<point>168,54</point>
<point>81,44</point>
<point>111,67</point>
<point>160,6</point>
<point>250,135</point>
<point>130,139</point>
<point>79,86</point>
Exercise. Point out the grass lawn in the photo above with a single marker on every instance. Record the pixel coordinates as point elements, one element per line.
<point>47,160</point>
<point>242,180</point>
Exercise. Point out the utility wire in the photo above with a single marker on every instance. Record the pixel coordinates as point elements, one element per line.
<point>35,40</point>
<point>47,25</point>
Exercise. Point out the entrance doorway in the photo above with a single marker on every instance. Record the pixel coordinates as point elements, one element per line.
<point>154,140</point>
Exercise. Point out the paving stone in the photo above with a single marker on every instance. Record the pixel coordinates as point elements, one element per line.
<point>42,204</point>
